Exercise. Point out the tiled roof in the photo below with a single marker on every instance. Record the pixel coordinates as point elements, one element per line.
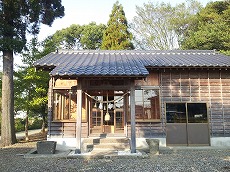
<point>127,63</point>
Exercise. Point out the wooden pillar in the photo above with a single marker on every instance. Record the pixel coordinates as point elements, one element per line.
<point>79,117</point>
<point>50,103</point>
<point>133,122</point>
<point>125,105</point>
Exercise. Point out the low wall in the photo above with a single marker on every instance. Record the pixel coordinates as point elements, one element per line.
<point>65,143</point>
<point>140,142</point>
<point>220,141</point>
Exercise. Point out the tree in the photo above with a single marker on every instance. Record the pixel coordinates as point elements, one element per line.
<point>77,37</point>
<point>67,38</point>
<point>91,36</point>
<point>31,90</point>
<point>31,86</point>
<point>211,29</point>
<point>117,35</point>
<point>17,17</point>
<point>162,26</point>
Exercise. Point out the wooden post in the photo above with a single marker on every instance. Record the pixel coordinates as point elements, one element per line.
<point>79,117</point>
<point>210,103</point>
<point>50,103</point>
<point>125,110</point>
<point>133,122</point>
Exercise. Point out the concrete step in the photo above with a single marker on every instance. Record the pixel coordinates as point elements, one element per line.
<point>103,153</point>
<point>112,146</point>
<point>105,140</point>
<point>105,144</point>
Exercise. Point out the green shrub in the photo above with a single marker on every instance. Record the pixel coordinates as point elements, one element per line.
<point>36,123</point>
<point>19,124</point>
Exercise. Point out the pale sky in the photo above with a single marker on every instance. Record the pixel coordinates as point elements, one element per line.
<point>86,11</point>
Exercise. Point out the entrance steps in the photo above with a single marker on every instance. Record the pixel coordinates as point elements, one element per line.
<point>105,145</point>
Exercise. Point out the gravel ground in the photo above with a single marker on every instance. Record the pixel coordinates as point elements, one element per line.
<point>207,160</point>
<point>170,160</point>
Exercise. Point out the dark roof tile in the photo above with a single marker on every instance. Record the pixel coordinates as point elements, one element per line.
<point>127,63</point>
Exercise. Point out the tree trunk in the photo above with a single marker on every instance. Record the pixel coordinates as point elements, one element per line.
<point>26,127</point>
<point>43,124</point>
<point>7,127</point>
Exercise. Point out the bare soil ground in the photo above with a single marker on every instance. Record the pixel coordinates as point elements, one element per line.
<point>33,139</point>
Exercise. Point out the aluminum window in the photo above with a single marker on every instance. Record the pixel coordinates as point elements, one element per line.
<point>186,112</point>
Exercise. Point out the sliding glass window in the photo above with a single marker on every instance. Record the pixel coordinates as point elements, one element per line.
<point>186,112</point>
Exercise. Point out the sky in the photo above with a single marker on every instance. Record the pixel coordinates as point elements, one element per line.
<point>86,11</point>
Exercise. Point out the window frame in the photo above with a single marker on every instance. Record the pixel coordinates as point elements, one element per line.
<point>186,111</point>
<point>58,116</point>
<point>143,88</point>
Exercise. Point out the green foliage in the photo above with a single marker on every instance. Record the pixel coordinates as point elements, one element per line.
<point>226,52</point>
<point>162,26</point>
<point>65,38</point>
<point>31,90</point>
<point>31,86</point>
<point>35,123</point>
<point>211,29</point>
<point>91,36</point>
<point>19,124</point>
<point>76,37</point>
<point>19,17</point>
<point>117,36</point>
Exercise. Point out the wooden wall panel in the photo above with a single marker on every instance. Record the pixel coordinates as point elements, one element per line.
<point>147,129</point>
<point>200,85</point>
<point>151,80</point>
<point>65,83</point>
<point>84,130</point>
<point>195,82</point>
<point>67,129</point>
<point>56,129</point>
<point>225,74</point>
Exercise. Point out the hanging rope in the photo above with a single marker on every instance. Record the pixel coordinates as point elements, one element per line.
<point>107,115</point>
<point>111,101</point>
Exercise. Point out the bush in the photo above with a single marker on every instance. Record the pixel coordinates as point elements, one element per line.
<point>36,123</point>
<point>19,124</point>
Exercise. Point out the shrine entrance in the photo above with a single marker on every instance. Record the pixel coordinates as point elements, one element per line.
<point>107,112</point>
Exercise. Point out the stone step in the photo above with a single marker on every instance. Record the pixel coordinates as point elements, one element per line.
<point>112,146</point>
<point>115,140</point>
<point>104,153</point>
<point>105,140</point>
<point>105,144</point>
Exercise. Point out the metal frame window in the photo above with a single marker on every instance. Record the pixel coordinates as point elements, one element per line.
<point>187,112</point>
